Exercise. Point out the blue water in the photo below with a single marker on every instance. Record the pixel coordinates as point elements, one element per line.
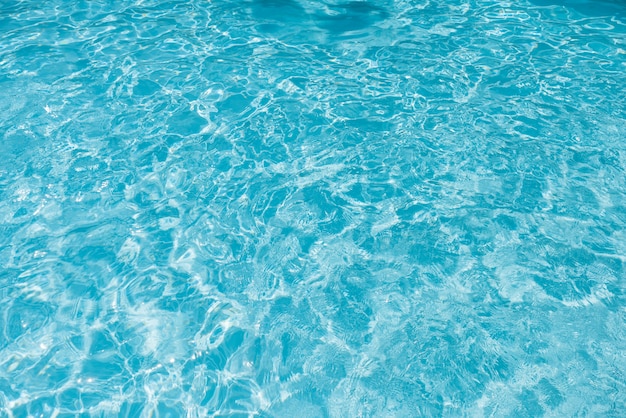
<point>299,208</point>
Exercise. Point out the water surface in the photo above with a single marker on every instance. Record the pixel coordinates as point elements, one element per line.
<point>305,208</point>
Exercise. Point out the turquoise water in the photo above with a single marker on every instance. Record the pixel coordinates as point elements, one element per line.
<point>283,208</point>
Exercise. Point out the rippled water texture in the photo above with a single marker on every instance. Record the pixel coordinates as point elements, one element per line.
<point>287,208</point>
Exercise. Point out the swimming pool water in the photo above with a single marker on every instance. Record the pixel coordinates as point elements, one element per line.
<point>305,208</point>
